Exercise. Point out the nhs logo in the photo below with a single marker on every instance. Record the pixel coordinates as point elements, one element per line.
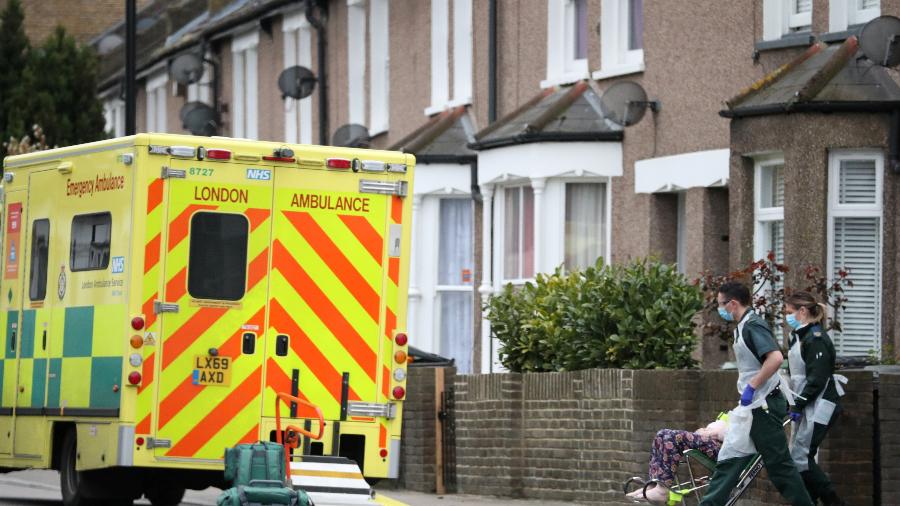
<point>118,265</point>
<point>259,174</point>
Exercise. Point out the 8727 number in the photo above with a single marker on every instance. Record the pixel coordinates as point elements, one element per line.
<point>200,171</point>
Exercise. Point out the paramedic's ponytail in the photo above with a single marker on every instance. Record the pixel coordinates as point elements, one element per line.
<point>817,311</point>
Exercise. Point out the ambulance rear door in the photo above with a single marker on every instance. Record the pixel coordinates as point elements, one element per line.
<point>333,284</point>
<point>212,312</point>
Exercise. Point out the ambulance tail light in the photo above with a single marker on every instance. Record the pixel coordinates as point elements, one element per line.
<point>135,378</point>
<point>137,323</point>
<point>399,392</point>
<point>401,339</point>
<point>182,151</point>
<point>383,453</point>
<point>400,357</point>
<point>372,166</point>
<point>338,163</point>
<point>139,441</point>
<point>136,341</point>
<point>279,159</point>
<point>218,154</point>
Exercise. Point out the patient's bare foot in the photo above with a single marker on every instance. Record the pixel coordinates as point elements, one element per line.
<point>658,494</point>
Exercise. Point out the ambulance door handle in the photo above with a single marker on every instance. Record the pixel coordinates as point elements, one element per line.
<point>281,345</point>
<point>44,341</point>
<point>248,346</point>
<point>12,342</point>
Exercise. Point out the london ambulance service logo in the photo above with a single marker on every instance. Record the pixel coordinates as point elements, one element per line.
<point>61,283</point>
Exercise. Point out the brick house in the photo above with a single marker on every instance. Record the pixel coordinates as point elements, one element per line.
<point>519,172</point>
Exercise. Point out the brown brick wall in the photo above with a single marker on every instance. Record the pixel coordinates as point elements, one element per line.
<point>83,19</point>
<point>578,436</point>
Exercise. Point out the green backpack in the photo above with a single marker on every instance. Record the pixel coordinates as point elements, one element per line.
<point>263,461</point>
<point>263,495</point>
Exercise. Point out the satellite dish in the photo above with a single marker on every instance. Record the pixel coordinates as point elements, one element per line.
<point>109,43</point>
<point>351,135</point>
<point>296,82</point>
<point>199,118</point>
<point>186,68</point>
<point>879,40</point>
<point>145,24</point>
<point>625,103</point>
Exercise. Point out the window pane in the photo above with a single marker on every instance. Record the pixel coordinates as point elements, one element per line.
<point>635,24</point>
<point>772,191</point>
<point>455,247</point>
<point>217,266</point>
<point>90,242</point>
<point>801,6</point>
<point>857,247</point>
<point>776,239</point>
<point>511,234</point>
<point>40,246</point>
<point>585,220</point>
<point>456,328</point>
<point>527,232</point>
<point>580,31</point>
<point>869,4</point>
<point>857,182</point>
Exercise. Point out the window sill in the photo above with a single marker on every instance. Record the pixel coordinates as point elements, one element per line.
<point>618,70</point>
<point>564,79</point>
<point>842,35</point>
<point>435,109</point>
<point>803,39</point>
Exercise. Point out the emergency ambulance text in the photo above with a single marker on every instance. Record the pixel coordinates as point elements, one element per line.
<point>102,183</point>
<point>330,203</point>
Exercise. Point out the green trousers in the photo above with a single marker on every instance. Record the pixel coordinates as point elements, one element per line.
<point>767,434</point>
<point>817,482</point>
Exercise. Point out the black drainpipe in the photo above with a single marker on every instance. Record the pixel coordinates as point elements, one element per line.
<point>319,25</point>
<point>894,140</point>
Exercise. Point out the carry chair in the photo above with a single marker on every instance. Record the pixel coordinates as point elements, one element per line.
<point>679,492</point>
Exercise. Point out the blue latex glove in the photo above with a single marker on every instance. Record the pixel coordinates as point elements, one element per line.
<point>747,396</point>
<point>796,416</point>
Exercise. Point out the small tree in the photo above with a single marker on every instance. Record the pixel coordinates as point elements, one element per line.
<point>13,59</point>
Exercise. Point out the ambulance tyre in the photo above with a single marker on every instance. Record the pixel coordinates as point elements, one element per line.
<point>165,496</point>
<point>70,480</point>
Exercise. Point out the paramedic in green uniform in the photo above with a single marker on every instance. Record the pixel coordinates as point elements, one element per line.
<point>816,406</point>
<point>758,360</point>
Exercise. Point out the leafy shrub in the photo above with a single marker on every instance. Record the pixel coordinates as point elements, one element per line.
<point>636,316</point>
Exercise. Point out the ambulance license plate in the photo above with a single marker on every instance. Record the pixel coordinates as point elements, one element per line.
<point>212,371</point>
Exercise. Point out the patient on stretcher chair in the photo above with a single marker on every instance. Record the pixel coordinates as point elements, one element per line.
<point>667,452</point>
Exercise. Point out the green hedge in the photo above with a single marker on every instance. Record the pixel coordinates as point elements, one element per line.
<point>637,316</point>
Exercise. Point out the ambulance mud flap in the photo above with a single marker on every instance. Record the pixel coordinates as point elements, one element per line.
<point>331,480</point>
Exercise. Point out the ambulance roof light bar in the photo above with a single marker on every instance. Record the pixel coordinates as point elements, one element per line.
<point>338,163</point>
<point>281,155</point>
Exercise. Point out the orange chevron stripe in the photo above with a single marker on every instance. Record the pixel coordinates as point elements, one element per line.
<point>212,423</point>
<point>382,438</point>
<point>186,391</point>
<point>279,381</point>
<point>178,228</point>
<point>385,380</point>
<point>147,372</point>
<point>349,338</point>
<point>397,209</point>
<point>365,233</point>
<point>334,258</point>
<point>177,286</point>
<point>147,309</point>
<point>390,323</point>
<point>304,347</point>
<point>258,268</point>
<point>256,216</point>
<point>250,437</point>
<point>394,269</point>
<point>144,426</point>
<point>182,338</point>
<point>154,194</point>
<point>151,253</point>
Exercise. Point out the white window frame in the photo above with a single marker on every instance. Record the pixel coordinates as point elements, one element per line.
<point>156,102</point>
<point>500,237</point>
<point>462,53</point>
<point>615,57</point>
<point>876,210</point>
<point>356,61</point>
<point>562,66</point>
<point>380,62</point>
<point>298,122</point>
<point>440,56</point>
<point>442,76</point>
<point>763,216</point>
<point>607,236</point>
<point>245,84</point>
<point>114,114</point>
<point>842,14</point>
<point>779,21</point>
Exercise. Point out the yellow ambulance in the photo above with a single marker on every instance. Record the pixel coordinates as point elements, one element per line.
<point>159,290</point>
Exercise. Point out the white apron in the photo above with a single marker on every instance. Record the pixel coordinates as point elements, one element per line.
<point>737,440</point>
<point>816,411</point>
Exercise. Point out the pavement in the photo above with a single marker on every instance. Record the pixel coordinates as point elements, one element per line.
<point>41,488</point>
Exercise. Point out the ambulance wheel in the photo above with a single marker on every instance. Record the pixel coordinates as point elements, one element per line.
<point>70,481</point>
<point>168,496</point>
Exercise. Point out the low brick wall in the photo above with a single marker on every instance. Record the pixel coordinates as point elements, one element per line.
<point>577,436</point>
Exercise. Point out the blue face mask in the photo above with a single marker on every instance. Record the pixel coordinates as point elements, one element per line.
<point>725,315</point>
<point>792,321</point>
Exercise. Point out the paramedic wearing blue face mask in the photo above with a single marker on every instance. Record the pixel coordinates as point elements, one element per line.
<point>758,358</point>
<point>811,360</point>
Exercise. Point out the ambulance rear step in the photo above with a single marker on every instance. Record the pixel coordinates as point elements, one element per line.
<point>331,481</point>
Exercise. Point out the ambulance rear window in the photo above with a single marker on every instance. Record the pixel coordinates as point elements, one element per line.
<point>90,242</point>
<point>217,267</point>
<point>40,245</point>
